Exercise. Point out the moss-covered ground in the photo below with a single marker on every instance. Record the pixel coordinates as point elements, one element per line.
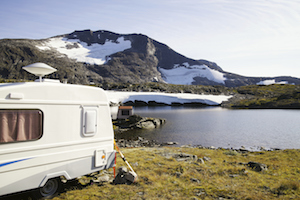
<point>223,175</point>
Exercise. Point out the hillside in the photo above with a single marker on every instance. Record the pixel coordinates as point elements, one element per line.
<point>16,54</point>
<point>100,57</point>
<point>270,96</point>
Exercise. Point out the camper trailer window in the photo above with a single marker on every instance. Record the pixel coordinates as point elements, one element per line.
<point>20,125</point>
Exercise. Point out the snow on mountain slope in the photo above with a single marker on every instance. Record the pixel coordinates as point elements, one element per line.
<point>167,98</point>
<point>93,54</point>
<point>184,74</point>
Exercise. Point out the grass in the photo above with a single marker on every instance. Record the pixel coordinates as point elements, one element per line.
<point>224,175</point>
<point>271,96</point>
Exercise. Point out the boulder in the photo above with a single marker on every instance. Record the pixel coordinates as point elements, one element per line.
<point>101,179</point>
<point>184,157</point>
<point>200,160</point>
<point>124,176</point>
<point>195,180</point>
<point>145,125</point>
<point>156,122</point>
<point>258,167</point>
<point>134,119</point>
<point>206,158</point>
<point>138,122</point>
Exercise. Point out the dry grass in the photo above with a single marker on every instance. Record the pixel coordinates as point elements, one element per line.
<point>224,176</point>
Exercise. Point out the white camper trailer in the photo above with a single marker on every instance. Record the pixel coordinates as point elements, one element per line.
<point>48,130</point>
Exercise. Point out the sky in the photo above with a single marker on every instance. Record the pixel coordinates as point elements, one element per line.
<point>246,37</point>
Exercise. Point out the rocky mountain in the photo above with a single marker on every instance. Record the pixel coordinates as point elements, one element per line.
<point>97,57</point>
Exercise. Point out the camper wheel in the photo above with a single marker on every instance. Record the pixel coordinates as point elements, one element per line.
<point>49,190</point>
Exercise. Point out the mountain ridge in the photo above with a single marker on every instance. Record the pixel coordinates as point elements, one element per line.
<point>86,56</point>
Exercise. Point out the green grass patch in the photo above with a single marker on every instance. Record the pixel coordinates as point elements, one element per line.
<point>223,176</point>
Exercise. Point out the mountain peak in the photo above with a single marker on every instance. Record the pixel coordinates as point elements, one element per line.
<point>85,56</point>
<point>90,37</point>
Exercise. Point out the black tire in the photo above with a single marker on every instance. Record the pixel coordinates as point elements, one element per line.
<point>49,190</point>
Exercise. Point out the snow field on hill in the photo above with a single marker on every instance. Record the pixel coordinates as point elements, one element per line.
<point>82,52</point>
<point>184,74</point>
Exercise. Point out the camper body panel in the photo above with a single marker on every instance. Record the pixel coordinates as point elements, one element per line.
<point>77,135</point>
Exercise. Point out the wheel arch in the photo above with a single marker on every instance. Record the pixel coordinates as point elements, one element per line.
<point>54,175</point>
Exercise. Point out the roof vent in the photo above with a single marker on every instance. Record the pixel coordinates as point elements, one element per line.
<point>39,69</point>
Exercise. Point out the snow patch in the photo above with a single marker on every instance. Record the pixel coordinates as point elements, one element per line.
<point>93,54</point>
<point>184,74</point>
<point>155,79</point>
<point>269,82</point>
<point>43,48</point>
<point>167,98</point>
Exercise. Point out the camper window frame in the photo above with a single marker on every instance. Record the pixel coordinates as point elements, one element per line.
<point>40,125</point>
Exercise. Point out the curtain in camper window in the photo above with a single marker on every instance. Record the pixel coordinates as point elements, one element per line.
<point>20,125</point>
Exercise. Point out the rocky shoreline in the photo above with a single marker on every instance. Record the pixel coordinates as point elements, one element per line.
<point>143,142</point>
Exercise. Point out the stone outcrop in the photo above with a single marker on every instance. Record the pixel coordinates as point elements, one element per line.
<point>138,122</point>
<point>154,103</point>
<point>258,167</point>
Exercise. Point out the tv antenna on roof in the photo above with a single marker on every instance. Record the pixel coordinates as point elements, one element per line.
<point>39,69</point>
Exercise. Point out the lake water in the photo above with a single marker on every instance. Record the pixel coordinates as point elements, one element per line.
<point>219,127</point>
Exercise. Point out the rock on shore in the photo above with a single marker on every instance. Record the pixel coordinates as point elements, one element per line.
<point>137,122</point>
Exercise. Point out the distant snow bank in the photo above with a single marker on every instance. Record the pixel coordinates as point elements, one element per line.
<point>93,54</point>
<point>269,82</point>
<point>184,74</point>
<point>167,98</point>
